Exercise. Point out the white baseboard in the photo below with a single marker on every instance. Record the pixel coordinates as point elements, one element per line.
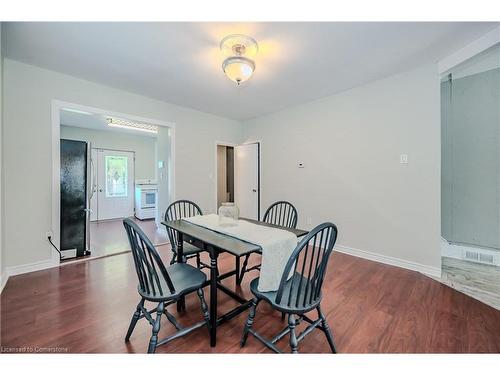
<point>426,270</point>
<point>31,267</point>
<point>3,280</point>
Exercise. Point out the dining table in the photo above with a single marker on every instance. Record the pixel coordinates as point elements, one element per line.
<point>215,243</point>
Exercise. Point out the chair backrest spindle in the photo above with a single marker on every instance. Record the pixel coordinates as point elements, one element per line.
<point>281,213</point>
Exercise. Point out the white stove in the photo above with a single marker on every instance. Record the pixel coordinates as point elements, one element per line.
<point>146,199</point>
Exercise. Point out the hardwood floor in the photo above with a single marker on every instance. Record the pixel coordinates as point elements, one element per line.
<point>108,237</point>
<point>371,308</point>
<point>480,281</point>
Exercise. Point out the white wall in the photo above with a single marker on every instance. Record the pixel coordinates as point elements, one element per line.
<point>28,92</point>
<point>350,145</point>
<point>143,146</point>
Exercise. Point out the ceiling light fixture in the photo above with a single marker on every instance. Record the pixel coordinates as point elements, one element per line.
<point>131,125</point>
<point>238,66</point>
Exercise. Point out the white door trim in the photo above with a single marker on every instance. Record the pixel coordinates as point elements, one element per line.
<point>57,106</point>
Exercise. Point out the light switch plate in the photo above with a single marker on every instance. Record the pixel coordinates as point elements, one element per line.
<point>403,158</point>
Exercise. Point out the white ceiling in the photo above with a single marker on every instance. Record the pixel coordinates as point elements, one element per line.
<point>181,62</point>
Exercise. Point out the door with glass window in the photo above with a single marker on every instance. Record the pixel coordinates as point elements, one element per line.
<point>115,184</point>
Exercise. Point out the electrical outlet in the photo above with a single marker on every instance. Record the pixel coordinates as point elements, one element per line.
<point>49,234</point>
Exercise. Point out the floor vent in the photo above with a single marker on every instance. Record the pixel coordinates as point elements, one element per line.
<point>480,257</point>
<point>471,255</point>
<point>486,258</point>
<point>67,254</point>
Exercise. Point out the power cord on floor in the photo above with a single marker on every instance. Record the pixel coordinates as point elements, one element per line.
<point>54,246</point>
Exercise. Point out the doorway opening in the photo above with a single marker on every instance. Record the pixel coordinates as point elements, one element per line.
<point>470,176</point>
<point>238,177</point>
<point>103,174</point>
<point>225,174</point>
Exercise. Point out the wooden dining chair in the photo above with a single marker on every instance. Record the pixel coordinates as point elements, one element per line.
<point>176,211</point>
<point>299,293</point>
<point>162,285</point>
<point>280,213</point>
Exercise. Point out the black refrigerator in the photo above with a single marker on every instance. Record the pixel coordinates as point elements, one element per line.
<point>75,213</point>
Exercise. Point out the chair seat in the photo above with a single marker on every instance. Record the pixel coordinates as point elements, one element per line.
<point>284,306</point>
<point>189,249</point>
<point>185,279</point>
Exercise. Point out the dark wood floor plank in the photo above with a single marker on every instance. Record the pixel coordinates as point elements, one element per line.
<point>371,307</point>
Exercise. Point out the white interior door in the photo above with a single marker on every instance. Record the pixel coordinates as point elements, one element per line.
<point>246,180</point>
<point>115,184</point>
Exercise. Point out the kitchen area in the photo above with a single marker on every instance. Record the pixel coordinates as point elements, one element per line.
<point>109,170</point>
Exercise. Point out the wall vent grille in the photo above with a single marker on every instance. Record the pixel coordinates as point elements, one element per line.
<point>480,257</point>
<point>487,258</point>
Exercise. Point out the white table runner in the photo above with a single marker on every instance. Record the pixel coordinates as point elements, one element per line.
<point>277,245</point>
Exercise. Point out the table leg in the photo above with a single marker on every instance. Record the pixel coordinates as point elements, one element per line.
<point>237,270</point>
<point>181,304</point>
<point>213,296</point>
